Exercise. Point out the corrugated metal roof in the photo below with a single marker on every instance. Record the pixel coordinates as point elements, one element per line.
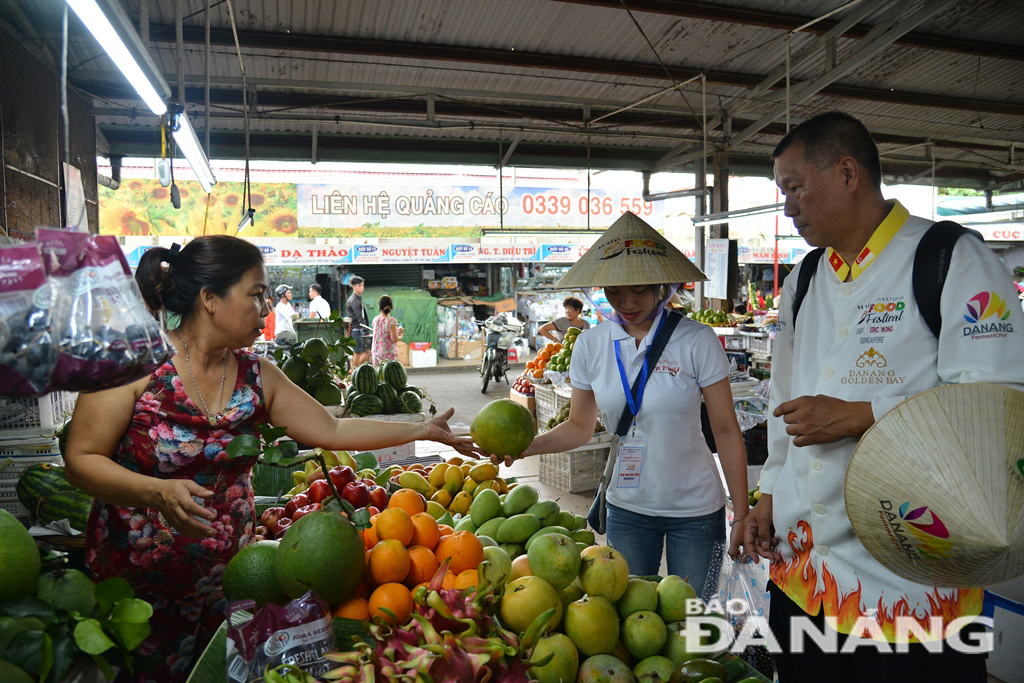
<point>958,93</point>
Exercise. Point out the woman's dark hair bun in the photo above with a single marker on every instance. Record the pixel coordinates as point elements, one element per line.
<point>155,276</point>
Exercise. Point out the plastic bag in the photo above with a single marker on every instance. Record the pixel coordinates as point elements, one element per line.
<point>105,335</point>
<point>27,297</point>
<point>750,411</point>
<point>745,595</point>
<point>300,634</point>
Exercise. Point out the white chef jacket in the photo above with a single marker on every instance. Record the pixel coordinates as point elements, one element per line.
<point>678,477</point>
<point>284,313</point>
<point>319,307</point>
<point>865,340</point>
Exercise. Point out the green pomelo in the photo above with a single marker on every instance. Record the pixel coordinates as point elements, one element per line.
<point>673,595</point>
<point>19,560</point>
<point>640,595</point>
<point>328,395</point>
<point>323,552</point>
<point>315,350</point>
<point>251,574</point>
<point>295,369</point>
<point>503,427</point>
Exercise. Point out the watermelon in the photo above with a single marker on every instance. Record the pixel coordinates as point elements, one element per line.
<point>388,398</point>
<point>394,374</point>
<point>350,392</point>
<point>410,402</point>
<point>419,391</point>
<point>74,506</point>
<point>364,379</point>
<point>39,481</point>
<point>366,404</point>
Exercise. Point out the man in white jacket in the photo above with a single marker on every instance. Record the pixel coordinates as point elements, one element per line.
<point>859,347</point>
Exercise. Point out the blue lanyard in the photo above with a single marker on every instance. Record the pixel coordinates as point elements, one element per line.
<point>634,405</point>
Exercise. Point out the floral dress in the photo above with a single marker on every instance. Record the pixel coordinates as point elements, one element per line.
<point>383,348</point>
<point>170,437</point>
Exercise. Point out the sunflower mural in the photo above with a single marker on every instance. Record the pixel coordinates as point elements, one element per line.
<point>143,207</point>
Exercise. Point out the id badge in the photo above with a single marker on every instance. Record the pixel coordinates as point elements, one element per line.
<point>630,462</point>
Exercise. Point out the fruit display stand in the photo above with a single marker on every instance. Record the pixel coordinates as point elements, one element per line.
<point>388,456</point>
<point>579,469</point>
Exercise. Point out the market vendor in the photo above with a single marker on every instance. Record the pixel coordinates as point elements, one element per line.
<point>861,345</point>
<point>171,507</point>
<point>665,490</point>
<point>556,329</point>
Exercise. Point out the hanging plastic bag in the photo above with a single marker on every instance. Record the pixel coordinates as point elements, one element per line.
<point>750,411</point>
<point>106,336</point>
<point>745,595</point>
<point>27,297</point>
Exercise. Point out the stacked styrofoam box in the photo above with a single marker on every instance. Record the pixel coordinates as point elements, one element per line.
<point>28,428</point>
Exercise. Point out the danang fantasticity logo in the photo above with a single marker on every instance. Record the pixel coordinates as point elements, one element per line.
<point>639,247</point>
<point>920,522</point>
<point>987,314</point>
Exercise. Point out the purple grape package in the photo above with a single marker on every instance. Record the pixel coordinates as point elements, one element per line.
<point>27,297</point>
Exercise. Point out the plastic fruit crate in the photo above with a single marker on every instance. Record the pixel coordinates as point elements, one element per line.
<point>549,401</point>
<point>19,511</point>
<point>576,470</point>
<point>27,416</point>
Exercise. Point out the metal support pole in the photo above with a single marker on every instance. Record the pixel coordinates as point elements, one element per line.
<point>698,232</point>
<point>206,64</point>
<point>180,39</point>
<point>144,23</point>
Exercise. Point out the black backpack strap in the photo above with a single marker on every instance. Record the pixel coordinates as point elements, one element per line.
<point>653,353</point>
<point>931,265</point>
<point>803,281</point>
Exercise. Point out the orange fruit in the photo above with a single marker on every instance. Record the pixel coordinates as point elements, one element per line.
<point>531,365</point>
<point>369,537</point>
<point>422,565</point>
<point>466,579</point>
<point>362,589</point>
<point>395,597</point>
<point>557,347</point>
<point>538,373</point>
<point>544,354</point>
<point>354,608</point>
<point>445,530</point>
<point>408,500</point>
<point>448,582</point>
<point>395,524</point>
<point>424,530</point>
<point>463,548</point>
<point>389,562</point>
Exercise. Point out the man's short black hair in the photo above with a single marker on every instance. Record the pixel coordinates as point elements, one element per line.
<point>829,137</point>
<point>355,280</point>
<point>317,288</point>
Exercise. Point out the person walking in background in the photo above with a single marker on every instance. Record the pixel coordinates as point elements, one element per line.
<point>386,333</point>
<point>270,322</point>
<point>829,171</point>
<point>556,329</point>
<point>318,306</point>
<point>284,319</point>
<point>359,321</point>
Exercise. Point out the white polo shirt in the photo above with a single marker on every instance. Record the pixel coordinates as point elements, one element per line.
<point>678,477</point>
<point>319,307</point>
<point>284,313</point>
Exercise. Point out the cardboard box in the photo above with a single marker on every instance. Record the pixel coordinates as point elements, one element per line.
<point>460,348</point>
<point>403,353</point>
<point>529,401</point>
<point>403,452</point>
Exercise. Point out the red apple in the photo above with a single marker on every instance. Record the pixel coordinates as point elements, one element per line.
<point>379,497</point>
<point>303,511</point>
<point>298,500</point>
<point>282,526</point>
<point>341,475</point>
<point>262,531</point>
<point>356,493</point>
<point>372,510</point>
<point>271,515</point>
<point>319,491</point>
<point>370,483</point>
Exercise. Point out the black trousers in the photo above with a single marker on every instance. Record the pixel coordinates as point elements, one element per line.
<point>867,664</point>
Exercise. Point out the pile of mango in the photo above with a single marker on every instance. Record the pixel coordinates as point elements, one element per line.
<point>452,484</point>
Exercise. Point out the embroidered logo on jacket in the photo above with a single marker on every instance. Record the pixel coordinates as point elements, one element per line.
<point>987,314</point>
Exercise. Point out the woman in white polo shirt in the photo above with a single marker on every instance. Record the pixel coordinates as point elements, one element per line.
<point>665,490</point>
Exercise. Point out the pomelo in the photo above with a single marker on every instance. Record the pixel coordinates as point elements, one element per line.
<point>323,552</point>
<point>315,349</point>
<point>19,560</point>
<point>503,427</point>
<point>328,395</point>
<point>295,369</point>
<point>250,574</point>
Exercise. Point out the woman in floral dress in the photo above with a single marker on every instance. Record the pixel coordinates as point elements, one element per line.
<point>386,333</point>
<point>171,508</point>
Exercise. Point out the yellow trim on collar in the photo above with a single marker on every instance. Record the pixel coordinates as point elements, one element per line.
<point>881,237</point>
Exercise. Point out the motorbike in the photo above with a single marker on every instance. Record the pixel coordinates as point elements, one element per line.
<point>499,333</point>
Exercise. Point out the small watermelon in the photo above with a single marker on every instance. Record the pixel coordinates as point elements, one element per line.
<point>394,374</point>
<point>410,402</point>
<point>389,398</point>
<point>74,506</point>
<point>39,481</point>
<point>366,404</point>
<point>364,379</point>
<point>419,391</point>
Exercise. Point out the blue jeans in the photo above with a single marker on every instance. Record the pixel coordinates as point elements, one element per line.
<point>694,545</point>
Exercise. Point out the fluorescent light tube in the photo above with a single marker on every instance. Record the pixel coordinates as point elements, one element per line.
<point>188,143</point>
<point>102,30</point>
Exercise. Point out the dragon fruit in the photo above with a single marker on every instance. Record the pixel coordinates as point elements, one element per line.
<point>450,638</point>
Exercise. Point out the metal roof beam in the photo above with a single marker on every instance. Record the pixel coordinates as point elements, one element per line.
<point>879,38</point>
<point>265,40</point>
<point>787,22</point>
